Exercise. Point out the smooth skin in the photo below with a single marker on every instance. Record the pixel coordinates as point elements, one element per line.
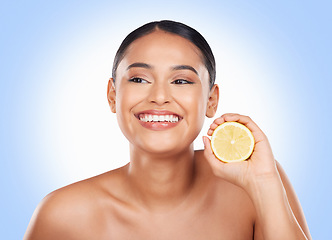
<point>169,190</point>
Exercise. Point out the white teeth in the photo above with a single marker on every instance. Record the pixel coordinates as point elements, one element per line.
<point>158,118</point>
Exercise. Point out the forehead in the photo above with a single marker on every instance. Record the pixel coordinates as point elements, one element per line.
<point>162,47</point>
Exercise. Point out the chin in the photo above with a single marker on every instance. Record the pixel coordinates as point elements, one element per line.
<point>164,147</point>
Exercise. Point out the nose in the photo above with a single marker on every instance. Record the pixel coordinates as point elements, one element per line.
<point>160,93</point>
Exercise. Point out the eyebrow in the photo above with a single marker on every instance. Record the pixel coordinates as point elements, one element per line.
<point>139,65</point>
<point>185,67</point>
<point>174,68</point>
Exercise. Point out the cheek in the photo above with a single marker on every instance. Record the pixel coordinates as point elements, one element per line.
<point>126,99</point>
<point>194,102</point>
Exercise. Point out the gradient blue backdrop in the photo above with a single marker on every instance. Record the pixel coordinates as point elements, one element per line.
<point>273,63</point>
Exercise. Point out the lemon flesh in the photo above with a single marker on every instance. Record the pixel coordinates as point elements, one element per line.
<point>232,142</point>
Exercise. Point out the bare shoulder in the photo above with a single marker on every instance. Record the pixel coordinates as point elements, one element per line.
<point>72,211</point>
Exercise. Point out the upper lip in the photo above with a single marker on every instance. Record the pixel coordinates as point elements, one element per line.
<point>158,112</point>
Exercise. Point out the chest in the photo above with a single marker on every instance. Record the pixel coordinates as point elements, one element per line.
<point>226,222</point>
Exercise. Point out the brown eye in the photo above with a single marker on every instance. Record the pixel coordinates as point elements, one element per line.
<point>181,81</point>
<point>138,80</point>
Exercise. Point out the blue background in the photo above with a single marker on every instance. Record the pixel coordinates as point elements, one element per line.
<point>273,63</point>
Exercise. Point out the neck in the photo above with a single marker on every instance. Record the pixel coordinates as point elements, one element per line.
<point>161,182</point>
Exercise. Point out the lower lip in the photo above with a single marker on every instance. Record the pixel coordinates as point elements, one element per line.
<point>158,126</point>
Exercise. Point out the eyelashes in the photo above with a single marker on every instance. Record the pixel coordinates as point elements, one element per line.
<point>176,82</point>
<point>182,81</point>
<point>137,80</point>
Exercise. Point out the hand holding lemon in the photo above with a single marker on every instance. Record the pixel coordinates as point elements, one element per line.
<point>234,139</point>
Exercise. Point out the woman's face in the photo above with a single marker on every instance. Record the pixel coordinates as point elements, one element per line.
<point>161,94</point>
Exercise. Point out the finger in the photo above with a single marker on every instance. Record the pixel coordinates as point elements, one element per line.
<point>209,132</point>
<point>219,120</point>
<point>214,125</point>
<point>245,120</point>
<point>248,122</point>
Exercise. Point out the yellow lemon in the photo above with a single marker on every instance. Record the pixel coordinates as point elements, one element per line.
<point>232,142</point>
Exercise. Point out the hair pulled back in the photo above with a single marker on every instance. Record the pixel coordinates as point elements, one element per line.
<point>177,28</point>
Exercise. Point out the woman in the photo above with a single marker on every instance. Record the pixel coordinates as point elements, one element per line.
<point>161,90</point>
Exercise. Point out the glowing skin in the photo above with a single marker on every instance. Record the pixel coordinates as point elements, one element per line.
<point>162,72</point>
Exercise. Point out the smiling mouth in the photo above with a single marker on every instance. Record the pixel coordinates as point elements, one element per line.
<point>158,120</point>
<point>171,118</point>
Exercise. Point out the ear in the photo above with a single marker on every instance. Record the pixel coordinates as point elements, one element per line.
<point>111,94</point>
<point>212,104</point>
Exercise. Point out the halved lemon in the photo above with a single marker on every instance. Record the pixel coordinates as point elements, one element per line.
<point>232,142</point>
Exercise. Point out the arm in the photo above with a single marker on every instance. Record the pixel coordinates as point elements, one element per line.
<point>279,214</point>
<point>294,201</point>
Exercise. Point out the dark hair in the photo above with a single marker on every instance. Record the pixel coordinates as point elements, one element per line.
<point>172,27</point>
